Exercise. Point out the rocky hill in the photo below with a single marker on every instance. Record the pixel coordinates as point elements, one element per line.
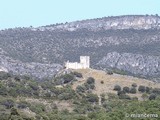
<point>135,64</point>
<point>32,69</point>
<point>136,35</point>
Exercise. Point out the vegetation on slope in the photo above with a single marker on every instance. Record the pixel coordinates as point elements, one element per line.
<point>22,98</point>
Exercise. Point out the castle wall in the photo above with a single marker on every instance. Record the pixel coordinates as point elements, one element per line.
<point>84,63</point>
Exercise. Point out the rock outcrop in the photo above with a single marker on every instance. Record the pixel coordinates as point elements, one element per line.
<point>117,22</point>
<point>35,70</point>
<point>133,63</point>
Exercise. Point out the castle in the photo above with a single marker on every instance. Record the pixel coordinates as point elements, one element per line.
<point>84,63</point>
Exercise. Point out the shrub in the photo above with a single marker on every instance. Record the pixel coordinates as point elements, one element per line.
<point>133,90</point>
<point>17,78</point>
<point>77,74</point>
<point>65,96</point>
<point>9,103</point>
<point>4,75</point>
<point>103,98</point>
<point>148,90</point>
<point>92,98</point>
<point>126,89</point>
<point>109,72</point>
<point>23,105</point>
<point>134,98</point>
<point>102,82</point>
<point>134,85</point>
<point>156,91</point>
<point>120,93</point>
<point>80,89</point>
<point>92,86</point>
<point>144,96</point>
<point>152,97</point>
<point>67,78</point>
<point>47,95</point>
<point>117,88</point>
<point>14,111</point>
<point>12,92</point>
<point>37,108</point>
<point>3,90</point>
<point>142,88</point>
<point>112,96</point>
<point>33,85</point>
<point>90,80</point>
<point>123,96</point>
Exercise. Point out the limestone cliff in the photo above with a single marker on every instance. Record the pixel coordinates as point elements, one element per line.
<point>132,63</point>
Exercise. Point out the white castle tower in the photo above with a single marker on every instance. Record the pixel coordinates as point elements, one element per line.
<point>84,63</point>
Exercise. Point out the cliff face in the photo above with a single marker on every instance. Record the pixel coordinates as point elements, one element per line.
<point>134,63</point>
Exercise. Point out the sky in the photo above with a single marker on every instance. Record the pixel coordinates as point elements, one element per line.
<point>25,13</point>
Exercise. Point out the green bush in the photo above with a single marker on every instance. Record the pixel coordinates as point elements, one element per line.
<point>117,88</point>
<point>14,111</point>
<point>90,97</point>
<point>67,78</point>
<point>152,97</point>
<point>77,74</point>
<point>135,98</point>
<point>90,80</point>
<point>126,89</point>
<point>144,96</point>
<point>123,96</point>
<point>121,92</point>
<point>3,90</point>
<point>23,105</point>
<point>133,90</point>
<point>102,82</point>
<point>8,103</point>
<point>109,72</point>
<point>148,90</point>
<point>142,88</point>
<point>17,78</point>
<point>4,75</point>
<point>156,91</point>
<point>134,85</point>
<point>80,89</point>
<point>37,108</point>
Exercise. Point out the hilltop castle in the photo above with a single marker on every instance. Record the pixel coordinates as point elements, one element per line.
<point>84,63</point>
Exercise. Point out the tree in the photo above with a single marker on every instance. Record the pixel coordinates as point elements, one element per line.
<point>90,80</point>
<point>77,74</point>
<point>90,97</point>
<point>152,97</point>
<point>148,90</point>
<point>133,90</point>
<point>80,89</point>
<point>117,88</point>
<point>134,85</point>
<point>142,88</point>
<point>126,89</point>
<point>102,82</point>
<point>120,93</point>
<point>144,96</point>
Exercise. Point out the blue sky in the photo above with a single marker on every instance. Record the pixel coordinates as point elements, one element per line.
<point>25,13</point>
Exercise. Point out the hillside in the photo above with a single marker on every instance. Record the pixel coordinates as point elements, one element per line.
<point>76,95</point>
<point>135,36</point>
<point>109,81</point>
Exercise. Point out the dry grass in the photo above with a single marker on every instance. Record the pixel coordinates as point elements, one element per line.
<point>111,80</point>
